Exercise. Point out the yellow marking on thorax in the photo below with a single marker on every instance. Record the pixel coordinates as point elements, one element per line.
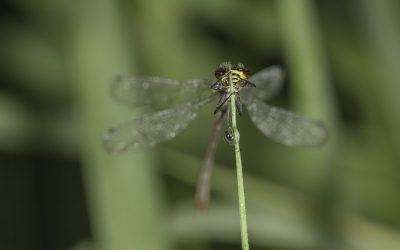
<point>237,76</point>
<point>241,74</point>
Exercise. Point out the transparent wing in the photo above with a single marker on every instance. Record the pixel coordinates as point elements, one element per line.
<point>268,83</point>
<point>286,127</point>
<point>158,93</point>
<point>151,129</point>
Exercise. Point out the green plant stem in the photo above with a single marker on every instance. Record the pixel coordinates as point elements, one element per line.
<point>242,203</point>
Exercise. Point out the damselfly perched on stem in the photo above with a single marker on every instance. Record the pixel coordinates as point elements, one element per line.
<point>176,103</point>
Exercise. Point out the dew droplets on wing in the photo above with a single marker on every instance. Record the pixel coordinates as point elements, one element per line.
<point>268,81</point>
<point>151,129</point>
<point>145,85</point>
<point>177,126</point>
<point>155,92</point>
<point>284,126</point>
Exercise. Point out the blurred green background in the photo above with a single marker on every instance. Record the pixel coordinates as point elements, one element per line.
<point>60,190</point>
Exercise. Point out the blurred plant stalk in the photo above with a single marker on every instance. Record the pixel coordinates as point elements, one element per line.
<point>124,203</point>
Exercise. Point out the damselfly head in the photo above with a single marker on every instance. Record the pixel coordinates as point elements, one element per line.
<point>225,67</point>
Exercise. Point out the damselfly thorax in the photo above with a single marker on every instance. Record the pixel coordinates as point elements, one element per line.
<point>230,79</point>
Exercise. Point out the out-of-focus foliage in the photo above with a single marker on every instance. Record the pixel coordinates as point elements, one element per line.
<point>60,190</point>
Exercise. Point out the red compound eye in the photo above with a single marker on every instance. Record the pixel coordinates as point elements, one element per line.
<point>220,72</point>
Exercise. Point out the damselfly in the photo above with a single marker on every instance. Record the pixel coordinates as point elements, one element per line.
<point>175,104</point>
